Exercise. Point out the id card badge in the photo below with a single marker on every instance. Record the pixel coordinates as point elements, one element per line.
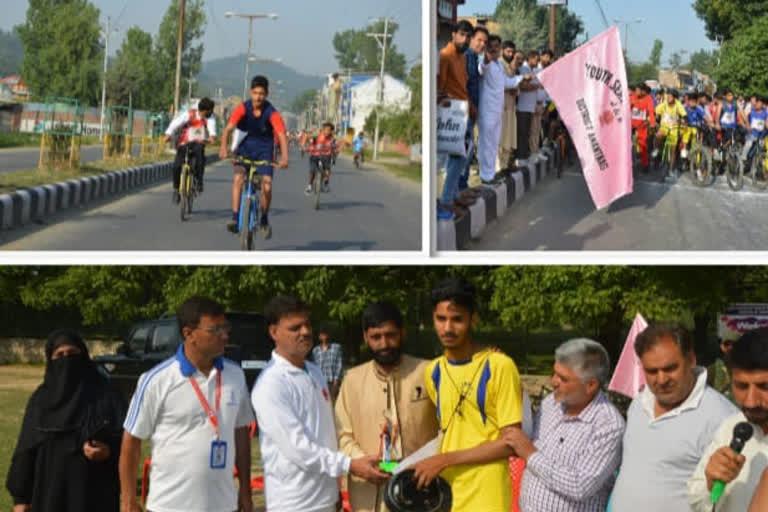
<point>218,454</point>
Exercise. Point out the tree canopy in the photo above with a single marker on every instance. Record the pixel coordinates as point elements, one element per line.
<point>11,52</point>
<point>527,24</point>
<point>359,52</point>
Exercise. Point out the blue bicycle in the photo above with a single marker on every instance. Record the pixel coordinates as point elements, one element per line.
<point>250,201</point>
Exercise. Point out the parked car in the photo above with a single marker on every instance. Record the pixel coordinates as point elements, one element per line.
<point>150,342</point>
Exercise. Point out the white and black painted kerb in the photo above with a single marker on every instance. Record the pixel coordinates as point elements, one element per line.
<point>493,202</point>
<point>33,204</point>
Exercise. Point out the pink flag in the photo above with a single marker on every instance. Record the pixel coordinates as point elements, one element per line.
<point>628,378</point>
<point>589,88</point>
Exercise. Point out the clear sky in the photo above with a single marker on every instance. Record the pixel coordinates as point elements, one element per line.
<point>672,21</point>
<point>301,37</point>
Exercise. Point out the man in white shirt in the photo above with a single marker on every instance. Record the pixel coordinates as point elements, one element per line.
<point>526,107</point>
<point>297,435</point>
<point>748,365</point>
<point>669,424</point>
<point>194,409</point>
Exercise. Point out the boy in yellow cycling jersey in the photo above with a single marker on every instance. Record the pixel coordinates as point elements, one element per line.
<point>670,115</point>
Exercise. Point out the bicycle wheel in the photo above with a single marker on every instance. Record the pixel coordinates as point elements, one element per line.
<point>317,185</point>
<point>184,192</point>
<point>246,233</point>
<point>760,170</point>
<point>701,167</point>
<point>190,193</point>
<point>734,171</point>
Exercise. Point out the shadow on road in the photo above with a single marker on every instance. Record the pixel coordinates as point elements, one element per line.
<point>329,245</point>
<point>343,205</point>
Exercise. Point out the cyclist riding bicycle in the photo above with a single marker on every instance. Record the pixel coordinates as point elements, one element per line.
<point>643,117</point>
<point>259,121</point>
<point>671,113</point>
<point>321,148</point>
<point>197,127</point>
<point>358,145</point>
<point>696,116</point>
<point>755,123</point>
<point>727,118</point>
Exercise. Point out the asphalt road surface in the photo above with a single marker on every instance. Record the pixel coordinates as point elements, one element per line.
<point>560,215</point>
<point>28,158</point>
<point>367,209</point>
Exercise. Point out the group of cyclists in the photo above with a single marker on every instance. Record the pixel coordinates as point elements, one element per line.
<point>261,137</point>
<point>718,124</point>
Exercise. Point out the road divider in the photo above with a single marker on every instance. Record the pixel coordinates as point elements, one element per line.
<point>34,204</point>
<point>453,235</point>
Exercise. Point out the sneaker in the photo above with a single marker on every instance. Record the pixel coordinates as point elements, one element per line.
<point>232,226</point>
<point>655,153</point>
<point>266,231</point>
<point>176,197</point>
<point>543,157</point>
<point>308,190</point>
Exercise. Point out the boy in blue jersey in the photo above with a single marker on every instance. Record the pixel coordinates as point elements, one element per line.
<point>755,125</point>
<point>262,124</point>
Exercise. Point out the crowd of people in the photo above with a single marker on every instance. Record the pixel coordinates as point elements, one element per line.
<point>507,106</point>
<point>578,451</point>
<point>718,120</point>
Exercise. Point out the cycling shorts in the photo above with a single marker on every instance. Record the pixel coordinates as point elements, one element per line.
<point>313,161</point>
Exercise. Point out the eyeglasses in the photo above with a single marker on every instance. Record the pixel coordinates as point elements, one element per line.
<point>218,330</point>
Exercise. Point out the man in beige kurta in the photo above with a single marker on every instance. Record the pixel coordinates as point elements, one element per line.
<point>383,398</point>
<point>508,142</point>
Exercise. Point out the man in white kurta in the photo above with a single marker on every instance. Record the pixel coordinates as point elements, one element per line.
<point>492,86</point>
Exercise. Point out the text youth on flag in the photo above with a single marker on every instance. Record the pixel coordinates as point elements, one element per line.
<point>628,377</point>
<point>589,88</point>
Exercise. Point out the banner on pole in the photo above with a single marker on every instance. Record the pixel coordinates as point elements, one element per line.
<point>628,377</point>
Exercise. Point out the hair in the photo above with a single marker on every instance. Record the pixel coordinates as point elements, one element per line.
<point>548,52</point>
<point>654,332</point>
<point>481,28</point>
<point>587,358</point>
<point>750,352</point>
<point>206,104</point>
<point>260,81</point>
<point>283,305</point>
<point>726,92</point>
<point>379,313</point>
<point>323,330</point>
<point>190,311</point>
<point>335,75</point>
<point>508,44</point>
<point>463,26</point>
<point>454,289</point>
<point>533,53</point>
<point>493,38</point>
<point>646,88</point>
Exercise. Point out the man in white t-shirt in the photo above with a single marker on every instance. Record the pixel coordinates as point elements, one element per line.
<point>194,409</point>
<point>297,434</point>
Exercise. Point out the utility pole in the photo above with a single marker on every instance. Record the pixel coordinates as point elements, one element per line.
<point>383,45</point>
<point>552,8</point>
<point>104,82</point>
<point>179,50</point>
<point>626,24</point>
<point>250,18</point>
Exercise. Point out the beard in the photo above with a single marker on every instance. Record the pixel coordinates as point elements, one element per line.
<point>758,415</point>
<point>387,357</point>
<point>508,59</point>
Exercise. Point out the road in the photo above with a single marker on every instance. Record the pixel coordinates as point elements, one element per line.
<point>367,209</point>
<point>28,158</point>
<point>560,215</point>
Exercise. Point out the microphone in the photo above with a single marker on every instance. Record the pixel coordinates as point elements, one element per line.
<point>742,432</point>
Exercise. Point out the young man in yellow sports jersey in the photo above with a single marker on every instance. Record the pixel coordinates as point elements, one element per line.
<point>670,114</point>
<point>478,399</point>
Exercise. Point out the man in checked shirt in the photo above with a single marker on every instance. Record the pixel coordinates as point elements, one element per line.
<point>327,356</point>
<point>576,444</point>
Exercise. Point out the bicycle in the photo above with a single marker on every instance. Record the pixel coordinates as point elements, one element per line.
<point>317,180</point>
<point>187,188</point>
<point>757,163</point>
<point>358,159</point>
<point>664,159</point>
<point>734,171</point>
<point>699,160</point>
<point>250,201</point>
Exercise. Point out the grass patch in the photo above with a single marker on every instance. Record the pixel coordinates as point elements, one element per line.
<point>17,382</point>
<point>408,171</point>
<point>28,178</point>
<point>32,140</point>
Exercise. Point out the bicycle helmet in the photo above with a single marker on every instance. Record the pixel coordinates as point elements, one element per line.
<point>401,494</point>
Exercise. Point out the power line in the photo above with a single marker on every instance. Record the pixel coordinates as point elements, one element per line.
<point>602,13</point>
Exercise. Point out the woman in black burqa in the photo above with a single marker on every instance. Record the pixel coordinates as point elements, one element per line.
<point>66,459</point>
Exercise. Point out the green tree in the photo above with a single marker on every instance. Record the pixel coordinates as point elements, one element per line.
<point>11,52</point>
<point>647,70</point>
<point>133,73</point>
<point>165,50</point>
<point>744,60</point>
<point>724,19</point>
<point>527,24</point>
<point>704,61</point>
<point>414,83</point>
<point>359,52</point>
<point>62,54</point>
<point>303,100</point>
<point>655,58</point>
<point>675,60</point>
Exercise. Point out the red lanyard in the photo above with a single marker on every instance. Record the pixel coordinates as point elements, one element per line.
<point>211,414</point>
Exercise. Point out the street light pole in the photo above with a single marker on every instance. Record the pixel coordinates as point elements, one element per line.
<point>179,50</point>
<point>626,24</point>
<point>104,80</point>
<point>250,18</point>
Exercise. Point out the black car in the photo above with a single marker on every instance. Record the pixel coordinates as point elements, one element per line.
<point>151,342</point>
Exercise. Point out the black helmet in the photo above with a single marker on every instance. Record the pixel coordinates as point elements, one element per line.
<point>401,494</point>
